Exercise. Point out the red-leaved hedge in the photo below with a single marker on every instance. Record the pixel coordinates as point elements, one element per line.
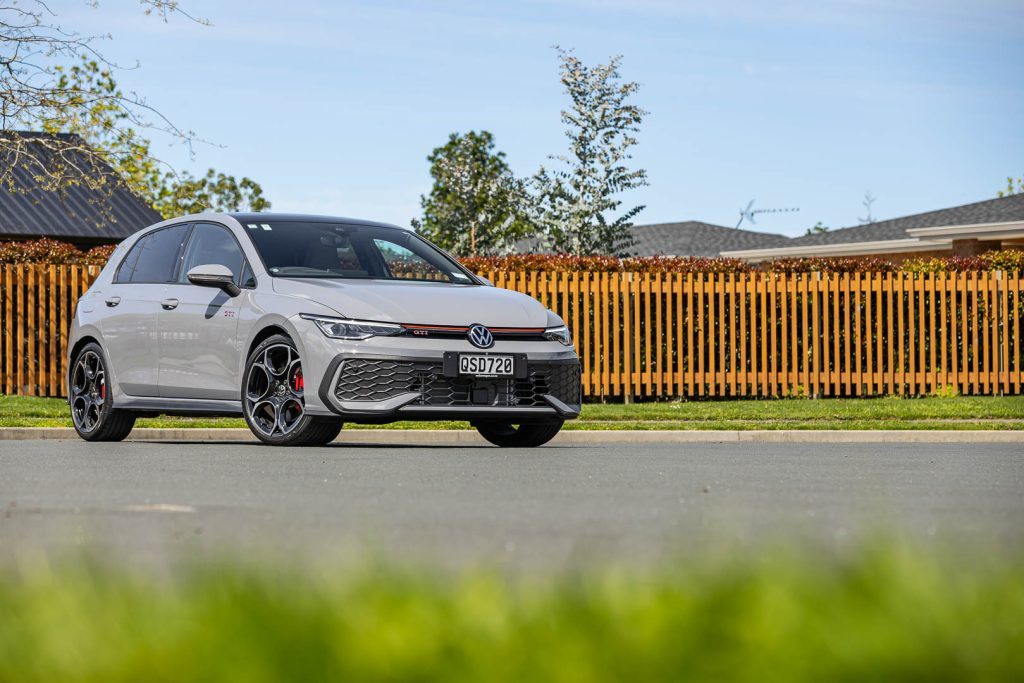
<point>47,250</point>
<point>1008,260</point>
<point>565,263</point>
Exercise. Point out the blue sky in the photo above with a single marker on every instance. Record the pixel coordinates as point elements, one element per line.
<point>333,106</point>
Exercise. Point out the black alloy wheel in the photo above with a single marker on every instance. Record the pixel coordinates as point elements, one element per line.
<point>273,398</point>
<point>92,410</point>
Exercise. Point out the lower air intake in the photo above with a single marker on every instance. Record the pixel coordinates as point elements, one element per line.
<point>371,379</point>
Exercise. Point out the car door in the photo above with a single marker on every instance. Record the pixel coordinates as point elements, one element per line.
<point>199,349</point>
<point>133,305</point>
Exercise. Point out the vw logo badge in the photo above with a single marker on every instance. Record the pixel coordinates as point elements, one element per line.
<point>480,337</point>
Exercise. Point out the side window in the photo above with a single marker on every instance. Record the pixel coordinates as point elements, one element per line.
<point>212,244</point>
<point>157,254</point>
<point>124,271</point>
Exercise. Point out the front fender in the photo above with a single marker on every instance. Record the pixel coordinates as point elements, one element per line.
<point>258,318</point>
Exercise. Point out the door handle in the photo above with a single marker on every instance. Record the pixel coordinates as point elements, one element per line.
<point>169,304</point>
<point>113,301</point>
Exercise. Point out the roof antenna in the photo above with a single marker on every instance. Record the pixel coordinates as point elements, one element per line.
<point>749,213</point>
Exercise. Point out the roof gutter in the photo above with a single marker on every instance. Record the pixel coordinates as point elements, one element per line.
<point>846,249</point>
<point>978,231</point>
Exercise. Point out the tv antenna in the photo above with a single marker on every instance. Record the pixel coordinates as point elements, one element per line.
<point>750,212</point>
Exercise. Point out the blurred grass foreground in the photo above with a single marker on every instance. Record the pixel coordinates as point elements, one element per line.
<point>884,614</point>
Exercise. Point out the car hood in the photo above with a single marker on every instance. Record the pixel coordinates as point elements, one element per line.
<point>419,303</point>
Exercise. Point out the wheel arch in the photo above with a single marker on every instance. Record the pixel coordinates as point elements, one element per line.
<point>264,334</point>
<point>267,327</point>
<point>87,337</point>
<point>82,341</point>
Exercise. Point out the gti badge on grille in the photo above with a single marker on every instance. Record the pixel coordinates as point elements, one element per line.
<point>480,337</point>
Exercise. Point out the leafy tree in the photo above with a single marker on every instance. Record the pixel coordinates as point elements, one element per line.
<point>1012,189</point>
<point>34,89</point>
<point>91,115</point>
<point>817,229</point>
<point>578,202</point>
<point>183,194</point>
<point>476,205</point>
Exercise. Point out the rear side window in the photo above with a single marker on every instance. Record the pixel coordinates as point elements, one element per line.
<point>212,244</point>
<point>124,271</point>
<point>153,257</point>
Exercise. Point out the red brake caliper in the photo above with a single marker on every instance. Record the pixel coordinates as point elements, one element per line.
<point>300,385</point>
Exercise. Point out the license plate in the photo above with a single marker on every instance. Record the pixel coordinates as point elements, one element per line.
<point>485,365</point>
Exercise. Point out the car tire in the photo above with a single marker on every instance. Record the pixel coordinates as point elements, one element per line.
<point>524,435</point>
<point>92,406</point>
<point>273,398</point>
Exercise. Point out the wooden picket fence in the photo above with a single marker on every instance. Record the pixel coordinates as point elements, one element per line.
<point>667,335</point>
<point>808,334</point>
<point>37,303</point>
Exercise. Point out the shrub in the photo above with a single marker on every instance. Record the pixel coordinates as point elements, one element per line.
<point>830,265</point>
<point>565,263</point>
<point>883,613</point>
<point>46,250</point>
<point>99,255</point>
<point>1008,260</point>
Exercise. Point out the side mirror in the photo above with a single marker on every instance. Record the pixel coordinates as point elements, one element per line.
<point>214,275</point>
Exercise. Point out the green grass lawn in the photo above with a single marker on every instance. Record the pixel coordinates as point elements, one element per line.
<point>965,412</point>
<point>886,613</point>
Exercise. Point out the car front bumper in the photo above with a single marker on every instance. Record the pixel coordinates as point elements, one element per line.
<point>381,388</point>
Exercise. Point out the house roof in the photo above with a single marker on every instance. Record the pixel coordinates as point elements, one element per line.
<point>74,212</point>
<point>694,238</point>
<point>1001,210</point>
<point>1001,219</point>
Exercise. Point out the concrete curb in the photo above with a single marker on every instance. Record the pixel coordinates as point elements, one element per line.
<point>569,437</point>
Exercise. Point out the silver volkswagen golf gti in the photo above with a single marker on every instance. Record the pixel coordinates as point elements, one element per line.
<point>302,323</point>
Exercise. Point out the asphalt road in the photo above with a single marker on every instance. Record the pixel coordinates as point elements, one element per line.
<point>550,507</point>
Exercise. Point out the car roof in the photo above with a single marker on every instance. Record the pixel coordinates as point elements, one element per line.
<point>243,217</point>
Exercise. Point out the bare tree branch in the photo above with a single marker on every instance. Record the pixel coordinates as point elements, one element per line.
<point>34,48</point>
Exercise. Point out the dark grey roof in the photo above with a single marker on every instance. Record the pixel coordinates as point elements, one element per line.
<point>693,238</point>
<point>999,210</point>
<point>75,213</point>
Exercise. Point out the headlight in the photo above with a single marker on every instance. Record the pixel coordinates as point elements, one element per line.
<point>558,334</point>
<point>340,328</point>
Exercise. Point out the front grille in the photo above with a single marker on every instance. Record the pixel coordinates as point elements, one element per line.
<point>434,332</point>
<point>372,379</point>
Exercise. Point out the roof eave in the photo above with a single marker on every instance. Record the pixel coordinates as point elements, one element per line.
<point>845,249</point>
<point>980,231</point>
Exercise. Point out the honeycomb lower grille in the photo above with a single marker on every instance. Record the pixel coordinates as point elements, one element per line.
<point>371,379</point>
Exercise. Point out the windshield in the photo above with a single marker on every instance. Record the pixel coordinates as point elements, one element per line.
<point>340,250</point>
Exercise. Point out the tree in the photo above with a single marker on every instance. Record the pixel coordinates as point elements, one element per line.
<point>476,206</point>
<point>869,199</point>
<point>34,89</point>
<point>577,202</point>
<point>817,229</point>
<point>183,194</point>
<point>1011,189</point>
<point>89,92</point>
